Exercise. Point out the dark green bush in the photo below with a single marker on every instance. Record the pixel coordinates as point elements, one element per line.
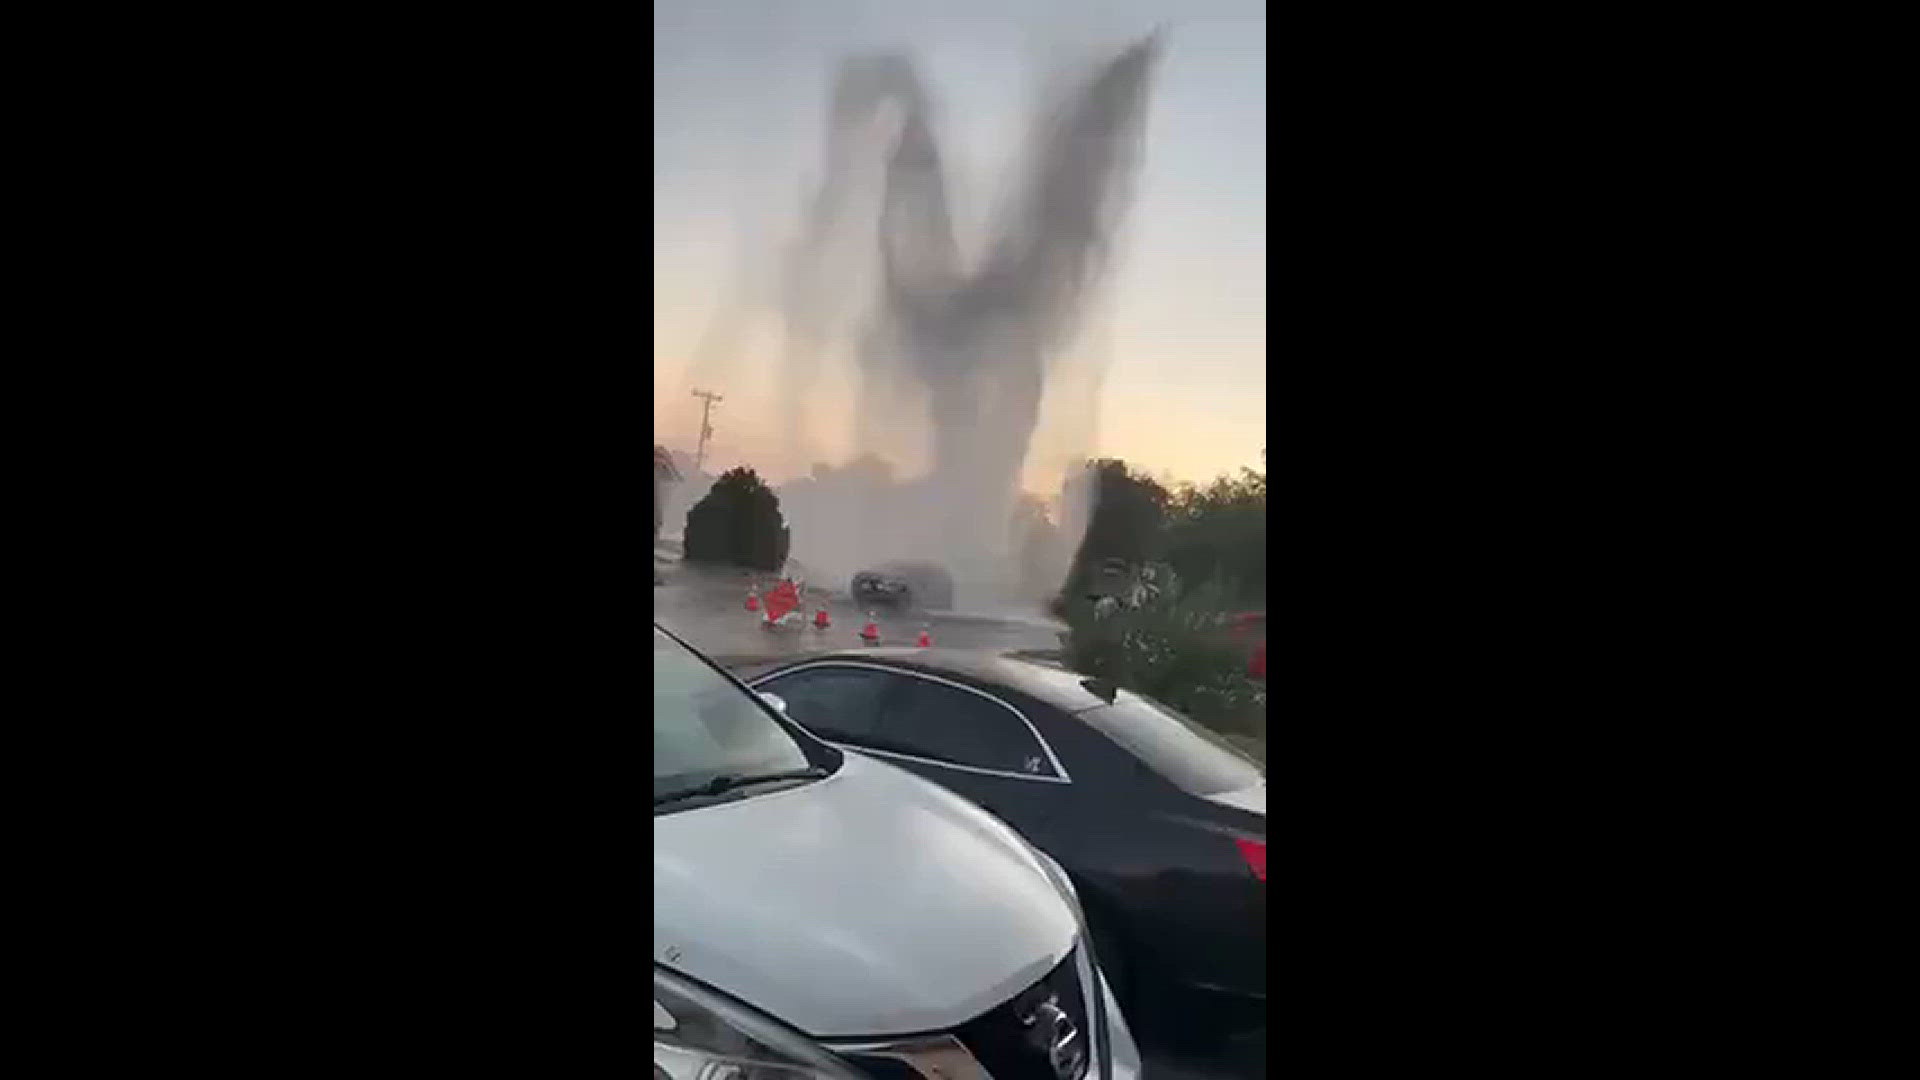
<point>1176,649</point>
<point>1220,532</point>
<point>738,523</point>
<point>1126,524</point>
<point>1151,636</point>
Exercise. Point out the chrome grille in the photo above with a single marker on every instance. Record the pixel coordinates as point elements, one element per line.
<point>1043,1033</point>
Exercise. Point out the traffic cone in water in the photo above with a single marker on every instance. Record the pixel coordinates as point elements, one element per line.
<point>820,620</point>
<point>870,633</point>
<point>925,640</point>
<point>753,599</point>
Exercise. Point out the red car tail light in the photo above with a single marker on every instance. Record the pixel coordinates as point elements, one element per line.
<point>1255,852</point>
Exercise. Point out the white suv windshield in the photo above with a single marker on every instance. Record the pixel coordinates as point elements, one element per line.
<point>706,727</point>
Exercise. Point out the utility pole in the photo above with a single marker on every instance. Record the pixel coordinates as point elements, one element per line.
<point>706,429</point>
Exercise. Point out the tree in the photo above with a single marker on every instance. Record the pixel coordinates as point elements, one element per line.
<point>1129,512</point>
<point>738,523</point>
<point>1219,533</point>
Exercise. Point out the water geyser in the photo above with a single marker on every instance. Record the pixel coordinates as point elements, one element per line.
<point>956,356</point>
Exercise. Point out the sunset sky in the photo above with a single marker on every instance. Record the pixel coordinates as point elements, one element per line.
<point>740,93</point>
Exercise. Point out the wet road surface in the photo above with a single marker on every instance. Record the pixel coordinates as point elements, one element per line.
<point>707,607</point>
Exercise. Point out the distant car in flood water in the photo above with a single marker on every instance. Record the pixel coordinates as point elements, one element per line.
<point>904,584</point>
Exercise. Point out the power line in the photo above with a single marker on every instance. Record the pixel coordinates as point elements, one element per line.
<point>706,428</point>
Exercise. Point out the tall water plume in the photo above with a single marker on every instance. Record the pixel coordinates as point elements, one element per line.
<point>951,360</point>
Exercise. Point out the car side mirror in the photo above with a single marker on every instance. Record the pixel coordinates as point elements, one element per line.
<point>779,704</point>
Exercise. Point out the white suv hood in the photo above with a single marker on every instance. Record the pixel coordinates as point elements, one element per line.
<point>868,903</point>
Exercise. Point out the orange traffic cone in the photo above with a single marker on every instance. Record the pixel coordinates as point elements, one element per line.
<point>870,633</point>
<point>820,620</point>
<point>925,640</point>
<point>753,599</point>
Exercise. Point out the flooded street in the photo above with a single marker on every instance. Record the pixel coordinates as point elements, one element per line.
<point>707,607</point>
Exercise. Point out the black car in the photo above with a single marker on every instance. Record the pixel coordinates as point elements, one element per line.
<point>1161,825</point>
<point>922,585</point>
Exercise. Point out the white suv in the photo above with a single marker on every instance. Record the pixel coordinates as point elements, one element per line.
<point>819,913</point>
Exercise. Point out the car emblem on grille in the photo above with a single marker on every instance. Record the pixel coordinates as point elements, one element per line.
<point>1051,1030</point>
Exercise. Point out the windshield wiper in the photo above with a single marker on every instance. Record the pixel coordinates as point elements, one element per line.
<point>730,781</point>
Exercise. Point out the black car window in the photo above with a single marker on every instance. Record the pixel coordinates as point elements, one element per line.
<point>945,723</point>
<point>1193,758</point>
<point>839,704</point>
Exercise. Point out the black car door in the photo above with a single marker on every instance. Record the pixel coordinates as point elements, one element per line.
<point>1105,799</point>
<point>974,743</point>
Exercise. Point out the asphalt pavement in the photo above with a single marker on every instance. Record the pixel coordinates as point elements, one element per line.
<point>707,607</point>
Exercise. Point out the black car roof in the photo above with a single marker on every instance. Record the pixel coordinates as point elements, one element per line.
<point>1058,687</point>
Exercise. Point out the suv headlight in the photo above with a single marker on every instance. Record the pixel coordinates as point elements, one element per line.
<point>701,1035</point>
<point>1121,1055</point>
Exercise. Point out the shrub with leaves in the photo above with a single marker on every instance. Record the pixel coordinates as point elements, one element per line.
<point>1128,517</point>
<point>1171,647</point>
<point>1220,532</point>
<point>738,523</point>
<point>1142,627</point>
